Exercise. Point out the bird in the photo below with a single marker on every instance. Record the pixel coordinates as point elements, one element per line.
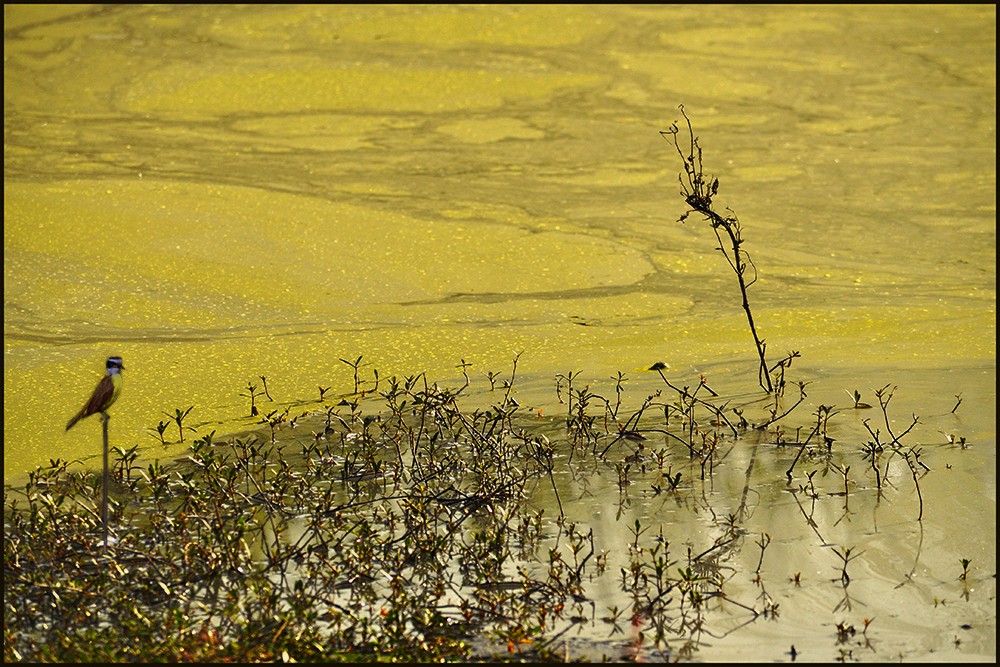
<point>105,393</point>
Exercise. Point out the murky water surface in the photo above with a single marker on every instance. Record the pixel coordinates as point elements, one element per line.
<point>223,193</point>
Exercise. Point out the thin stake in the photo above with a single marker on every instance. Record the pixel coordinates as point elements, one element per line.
<point>104,495</point>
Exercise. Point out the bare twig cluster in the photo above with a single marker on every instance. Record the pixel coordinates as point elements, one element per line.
<point>698,191</point>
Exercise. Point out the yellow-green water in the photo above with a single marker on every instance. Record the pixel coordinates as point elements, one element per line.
<point>218,193</point>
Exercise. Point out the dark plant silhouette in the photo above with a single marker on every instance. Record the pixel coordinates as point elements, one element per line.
<point>698,191</point>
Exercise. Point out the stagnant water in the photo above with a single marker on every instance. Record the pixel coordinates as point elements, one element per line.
<point>224,193</point>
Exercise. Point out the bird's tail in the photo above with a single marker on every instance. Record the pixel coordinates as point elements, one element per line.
<point>77,417</point>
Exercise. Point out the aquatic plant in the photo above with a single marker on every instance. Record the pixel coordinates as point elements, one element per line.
<point>179,416</point>
<point>698,191</point>
<point>402,523</point>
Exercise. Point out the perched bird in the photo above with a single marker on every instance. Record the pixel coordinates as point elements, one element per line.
<point>105,393</point>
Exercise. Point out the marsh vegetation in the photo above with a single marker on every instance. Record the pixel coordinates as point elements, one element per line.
<point>408,520</point>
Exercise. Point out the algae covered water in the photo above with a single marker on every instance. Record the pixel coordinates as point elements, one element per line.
<point>224,193</point>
